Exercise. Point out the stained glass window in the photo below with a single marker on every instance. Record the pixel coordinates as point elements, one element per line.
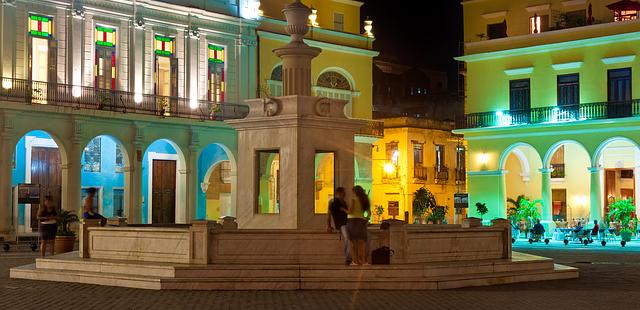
<point>332,79</point>
<point>216,87</point>
<point>163,46</point>
<point>40,26</point>
<point>119,159</point>
<point>92,155</point>
<point>105,36</point>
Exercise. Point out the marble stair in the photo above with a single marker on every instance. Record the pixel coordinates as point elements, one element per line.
<point>70,268</point>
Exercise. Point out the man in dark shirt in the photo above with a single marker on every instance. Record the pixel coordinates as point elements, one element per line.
<point>338,212</point>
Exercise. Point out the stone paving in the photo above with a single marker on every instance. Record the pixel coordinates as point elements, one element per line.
<point>609,278</point>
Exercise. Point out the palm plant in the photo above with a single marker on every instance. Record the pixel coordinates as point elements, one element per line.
<point>482,209</point>
<point>65,219</point>
<point>528,211</point>
<point>621,211</point>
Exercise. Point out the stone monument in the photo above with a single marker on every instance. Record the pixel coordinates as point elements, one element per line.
<point>289,131</point>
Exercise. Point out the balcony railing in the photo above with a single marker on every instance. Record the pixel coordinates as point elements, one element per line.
<point>441,174</point>
<point>81,97</point>
<point>372,129</point>
<point>420,172</point>
<point>557,114</point>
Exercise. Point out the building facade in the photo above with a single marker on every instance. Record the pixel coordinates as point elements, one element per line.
<point>127,97</point>
<point>417,153</point>
<point>551,105</point>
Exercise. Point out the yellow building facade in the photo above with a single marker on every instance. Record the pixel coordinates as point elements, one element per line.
<point>417,153</point>
<point>550,100</point>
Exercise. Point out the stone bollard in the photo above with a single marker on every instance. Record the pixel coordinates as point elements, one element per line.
<point>199,242</point>
<point>84,236</point>
<point>471,222</point>
<point>229,222</point>
<point>506,235</point>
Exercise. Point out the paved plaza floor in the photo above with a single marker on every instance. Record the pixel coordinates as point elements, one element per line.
<point>609,279</point>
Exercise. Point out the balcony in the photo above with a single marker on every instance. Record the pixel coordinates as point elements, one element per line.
<point>80,97</point>
<point>372,129</point>
<point>441,174</point>
<point>461,175</point>
<point>420,172</point>
<point>557,114</point>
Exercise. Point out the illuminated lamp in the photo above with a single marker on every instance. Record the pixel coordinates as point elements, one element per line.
<point>389,168</point>
<point>368,26</point>
<point>313,17</point>
<point>137,97</point>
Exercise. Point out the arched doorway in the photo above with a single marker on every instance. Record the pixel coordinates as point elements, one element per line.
<point>217,178</point>
<point>274,83</point>
<point>335,85</point>
<point>103,161</point>
<point>37,163</point>
<point>163,184</point>
<point>521,165</point>
<point>618,160</point>
<point>570,184</point>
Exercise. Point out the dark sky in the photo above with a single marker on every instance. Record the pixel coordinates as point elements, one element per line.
<point>425,33</point>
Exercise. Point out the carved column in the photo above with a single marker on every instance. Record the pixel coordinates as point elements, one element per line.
<point>547,204</point>
<point>134,212</point>
<point>71,170</point>
<point>192,177</point>
<point>7,145</point>
<point>595,203</point>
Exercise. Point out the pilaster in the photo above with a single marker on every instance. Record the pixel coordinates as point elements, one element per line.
<point>595,196</point>
<point>547,205</point>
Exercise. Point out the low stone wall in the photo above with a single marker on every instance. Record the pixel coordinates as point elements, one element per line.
<point>209,243</point>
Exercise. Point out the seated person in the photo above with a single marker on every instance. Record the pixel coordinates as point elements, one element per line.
<point>578,230</point>
<point>538,229</point>
<point>595,229</point>
<point>87,208</point>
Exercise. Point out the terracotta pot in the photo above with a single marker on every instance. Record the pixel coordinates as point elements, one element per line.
<point>64,244</point>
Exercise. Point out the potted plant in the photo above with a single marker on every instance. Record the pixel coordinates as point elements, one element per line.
<point>438,214</point>
<point>621,211</point>
<point>529,212</point>
<point>482,209</point>
<point>65,237</point>
<point>423,202</point>
<point>378,210</point>
<point>512,214</point>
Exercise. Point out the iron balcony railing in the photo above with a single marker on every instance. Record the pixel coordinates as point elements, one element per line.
<point>81,97</point>
<point>552,114</point>
<point>373,128</point>
<point>461,175</point>
<point>420,172</point>
<point>441,174</point>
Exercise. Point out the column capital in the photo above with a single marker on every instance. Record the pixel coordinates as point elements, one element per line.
<point>546,170</point>
<point>594,169</point>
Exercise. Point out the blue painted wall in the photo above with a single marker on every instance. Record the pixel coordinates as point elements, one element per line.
<point>209,156</point>
<point>107,178</point>
<point>160,146</point>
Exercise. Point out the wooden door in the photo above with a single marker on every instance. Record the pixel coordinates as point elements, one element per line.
<point>609,188</point>
<point>46,170</point>
<point>164,191</point>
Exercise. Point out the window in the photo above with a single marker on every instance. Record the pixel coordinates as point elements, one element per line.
<point>439,156</point>
<point>40,26</point>
<point>216,73</point>
<point>118,202</point>
<point>418,151</point>
<point>392,153</point>
<point>619,84</point>
<point>519,95</point>
<point>163,46</point>
<point>496,31</point>
<point>92,155</point>
<point>268,182</point>
<point>557,163</point>
<point>105,61</point>
<point>568,90</point>
<point>338,21</point>
<point>324,180</point>
<point>332,84</point>
<point>575,18</point>
<point>119,159</point>
<point>538,24</point>
<point>275,82</point>
<point>460,158</point>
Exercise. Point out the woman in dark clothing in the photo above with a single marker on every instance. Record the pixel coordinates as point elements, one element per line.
<point>47,227</point>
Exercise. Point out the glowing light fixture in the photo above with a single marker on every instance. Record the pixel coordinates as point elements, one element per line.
<point>389,168</point>
<point>137,97</point>
<point>75,91</point>
<point>483,158</point>
<point>193,103</point>
<point>499,113</point>
<point>313,18</point>
<point>368,27</point>
<point>6,83</point>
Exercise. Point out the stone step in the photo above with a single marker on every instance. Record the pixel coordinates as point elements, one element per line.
<point>29,272</point>
<point>102,266</point>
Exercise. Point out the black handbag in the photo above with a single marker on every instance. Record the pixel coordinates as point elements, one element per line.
<point>381,256</point>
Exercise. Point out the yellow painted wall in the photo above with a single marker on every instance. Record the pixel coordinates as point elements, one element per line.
<point>326,8</point>
<point>529,185</point>
<point>576,181</point>
<point>359,68</point>
<point>402,190</point>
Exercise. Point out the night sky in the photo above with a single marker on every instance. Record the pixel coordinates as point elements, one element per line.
<point>424,33</point>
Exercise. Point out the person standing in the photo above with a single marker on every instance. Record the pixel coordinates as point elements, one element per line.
<point>47,225</point>
<point>357,219</point>
<point>338,212</point>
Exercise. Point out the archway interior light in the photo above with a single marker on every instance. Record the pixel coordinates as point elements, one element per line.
<point>250,9</point>
<point>483,158</point>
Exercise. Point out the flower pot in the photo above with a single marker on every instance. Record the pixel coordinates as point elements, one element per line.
<point>626,235</point>
<point>64,244</point>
